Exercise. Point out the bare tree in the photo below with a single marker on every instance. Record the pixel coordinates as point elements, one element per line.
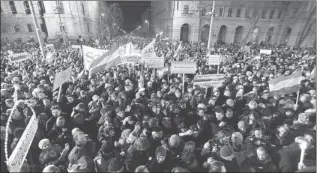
<point>310,22</point>
<point>253,20</point>
<point>113,17</point>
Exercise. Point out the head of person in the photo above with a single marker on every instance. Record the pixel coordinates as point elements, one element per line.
<point>51,169</point>
<point>217,166</point>
<point>44,143</point>
<point>226,153</point>
<point>283,131</point>
<point>56,111</point>
<point>160,154</point>
<point>262,154</point>
<point>60,122</point>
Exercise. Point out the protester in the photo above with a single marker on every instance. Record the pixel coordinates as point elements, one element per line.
<point>130,118</point>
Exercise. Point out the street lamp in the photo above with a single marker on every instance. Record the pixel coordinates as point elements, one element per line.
<point>101,33</point>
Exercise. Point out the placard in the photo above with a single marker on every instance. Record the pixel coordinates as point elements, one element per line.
<point>209,80</point>
<point>18,57</point>
<point>184,67</point>
<point>21,150</point>
<point>266,51</point>
<point>50,45</point>
<point>156,62</point>
<point>62,77</point>
<point>76,46</point>
<point>214,59</point>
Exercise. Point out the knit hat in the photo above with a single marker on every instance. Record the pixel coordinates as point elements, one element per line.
<point>174,141</point>
<point>107,147</point>
<point>141,144</point>
<point>226,151</point>
<point>160,151</point>
<point>180,170</point>
<point>141,168</point>
<point>43,142</point>
<point>115,165</point>
<point>125,133</point>
<point>51,168</point>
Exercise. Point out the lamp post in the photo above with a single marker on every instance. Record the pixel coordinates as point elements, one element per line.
<point>101,33</point>
<point>148,27</point>
<point>210,28</point>
<point>58,6</point>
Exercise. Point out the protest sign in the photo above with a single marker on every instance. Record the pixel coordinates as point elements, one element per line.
<point>20,152</point>
<point>18,57</point>
<point>185,67</point>
<point>50,45</point>
<point>149,57</point>
<point>214,59</point>
<point>90,54</point>
<point>62,77</point>
<point>76,46</point>
<point>266,51</point>
<point>209,80</point>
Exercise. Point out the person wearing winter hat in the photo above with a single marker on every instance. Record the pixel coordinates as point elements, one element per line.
<point>137,154</point>
<point>104,156</point>
<point>51,169</point>
<point>228,158</point>
<point>161,162</point>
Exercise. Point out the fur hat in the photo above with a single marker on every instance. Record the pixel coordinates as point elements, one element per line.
<point>174,141</point>
<point>160,151</point>
<point>43,142</point>
<point>226,151</point>
<point>115,165</point>
<point>107,147</point>
<point>141,144</point>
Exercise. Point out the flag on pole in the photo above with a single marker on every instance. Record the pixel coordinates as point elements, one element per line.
<point>62,77</point>
<point>90,54</point>
<point>178,50</point>
<point>285,84</point>
<point>258,57</point>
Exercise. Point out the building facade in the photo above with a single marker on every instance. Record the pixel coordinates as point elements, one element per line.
<point>54,18</point>
<point>279,22</point>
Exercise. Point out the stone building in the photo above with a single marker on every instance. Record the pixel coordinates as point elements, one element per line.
<point>53,17</point>
<point>276,22</point>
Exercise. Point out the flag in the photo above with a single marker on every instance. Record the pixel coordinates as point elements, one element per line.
<point>313,73</point>
<point>258,57</point>
<point>285,84</point>
<point>178,50</point>
<point>80,74</point>
<point>62,77</point>
<point>90,54</point>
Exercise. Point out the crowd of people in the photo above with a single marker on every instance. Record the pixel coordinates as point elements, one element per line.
<point>140,121</point>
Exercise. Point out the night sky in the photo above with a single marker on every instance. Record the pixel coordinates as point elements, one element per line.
<point>132,12</point>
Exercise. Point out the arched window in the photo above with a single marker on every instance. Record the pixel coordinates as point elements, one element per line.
<point>12,7</point>
<point>27,7</point>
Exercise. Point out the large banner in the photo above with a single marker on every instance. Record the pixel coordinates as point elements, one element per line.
<point>209,80</point>
<point>76,46</point>
<point>214,59</point>
<point>19,153</point>
<point>266,51</point>
<point>185,67</point>
<point>149,57</point>
<point>62,77</point>
<point>18,57</point>
<point>90,54</point>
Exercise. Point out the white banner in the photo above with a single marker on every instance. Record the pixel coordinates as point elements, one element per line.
<point>50,45</point>
<point>266,51</point>
<point>18,57</point>
<point>49,57</point>
<point>214,59</point>
<point>149,57</point>
<point>62,77</point>
<point>76,46</point>
<point>184,67</point>
<point>209,80</point>
<point>90,54</point>
<point>19,153</point>
<point>163,71</point>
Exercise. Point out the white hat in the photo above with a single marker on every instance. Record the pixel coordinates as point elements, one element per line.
<point>42,142</point>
